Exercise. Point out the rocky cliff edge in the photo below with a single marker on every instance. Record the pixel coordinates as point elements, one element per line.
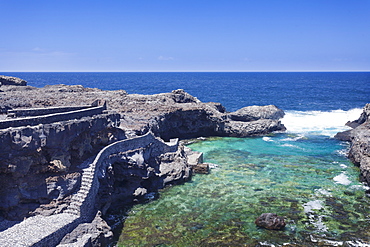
<point>10,80</point>
<point>168,115</point>
<point>359,137</point>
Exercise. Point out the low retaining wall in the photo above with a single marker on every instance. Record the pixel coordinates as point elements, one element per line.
<point>44,111</point>
<point>51,118</point>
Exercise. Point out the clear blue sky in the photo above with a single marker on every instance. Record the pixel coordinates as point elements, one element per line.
<point>179,35</point>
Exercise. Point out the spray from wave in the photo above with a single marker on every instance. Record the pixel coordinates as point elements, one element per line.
<point>327,123</point>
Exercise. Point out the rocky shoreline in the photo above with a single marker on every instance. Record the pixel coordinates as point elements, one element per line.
<point>45,169</point>
<point>359,137</point>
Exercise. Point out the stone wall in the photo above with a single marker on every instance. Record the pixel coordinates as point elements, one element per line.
<point>43,111</point>
<point>51,118</point>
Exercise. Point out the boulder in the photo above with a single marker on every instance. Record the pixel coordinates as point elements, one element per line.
<point>270,221</point>
<point>253,113</point>
<point>253,128</point>
<point>96,233</point>
<point>14,81</point>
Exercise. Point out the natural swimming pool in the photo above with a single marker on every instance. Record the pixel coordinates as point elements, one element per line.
<point>305,179</point>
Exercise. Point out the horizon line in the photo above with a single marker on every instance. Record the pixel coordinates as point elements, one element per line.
<point>186,71</point>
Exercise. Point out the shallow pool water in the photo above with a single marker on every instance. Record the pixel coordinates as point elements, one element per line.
<point>305,179</point>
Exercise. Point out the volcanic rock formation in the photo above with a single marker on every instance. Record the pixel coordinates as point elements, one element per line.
<point>9,80</point>
<point>167,115</point>
<point>46,166</point>
<point>359,137</point>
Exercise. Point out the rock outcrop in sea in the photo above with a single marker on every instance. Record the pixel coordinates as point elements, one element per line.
<point>270,221</point>
<point>359,137</point>
<point>71,156</point>
<point>10,80</point>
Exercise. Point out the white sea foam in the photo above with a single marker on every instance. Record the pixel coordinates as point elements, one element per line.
<point>293,138</point>
<point>315,220</point>
<point>319,122</point>
<point>360,187</point>
<point>323,192</point>
<point>267,139</point>
<point>343,165</point>
<point>308,207</point>
<point>342,179</point>
<point>291,146</point>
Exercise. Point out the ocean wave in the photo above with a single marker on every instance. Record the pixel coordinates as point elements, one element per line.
<point>326,123</point>
<point>267,139</point>
<point>291,146</point>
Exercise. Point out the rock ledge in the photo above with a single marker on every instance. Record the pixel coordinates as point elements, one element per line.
<point>14,81</point>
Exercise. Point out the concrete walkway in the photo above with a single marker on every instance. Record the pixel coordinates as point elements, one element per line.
<point>39,231</point>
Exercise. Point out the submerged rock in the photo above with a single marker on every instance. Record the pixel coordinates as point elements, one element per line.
<point>270,221</point>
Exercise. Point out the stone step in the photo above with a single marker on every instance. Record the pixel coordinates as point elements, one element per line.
<point>72,211</point>
<point>82,195</point>
<point>86,183</point>
<point>89,171</point>
<point>80,199</point>
<point>75,204</point>
<point>79,196</point>
<point>84,189</point>
<point>73,208</point>
<point>87,178</point>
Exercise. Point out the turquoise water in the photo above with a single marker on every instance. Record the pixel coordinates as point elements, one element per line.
<point>306,179</point>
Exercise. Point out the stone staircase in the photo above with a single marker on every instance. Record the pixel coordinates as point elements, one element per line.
<point>80,197</point>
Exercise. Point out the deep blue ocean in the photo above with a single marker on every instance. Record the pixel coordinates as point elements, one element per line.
<point>302,174</point>
<point>303,91</point>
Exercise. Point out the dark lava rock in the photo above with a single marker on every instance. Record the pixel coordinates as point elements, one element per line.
<point>201,168</point>
<point>270,221</point>
<point>253,113</point>
<point>359,136</point>
<point>167,115</point>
